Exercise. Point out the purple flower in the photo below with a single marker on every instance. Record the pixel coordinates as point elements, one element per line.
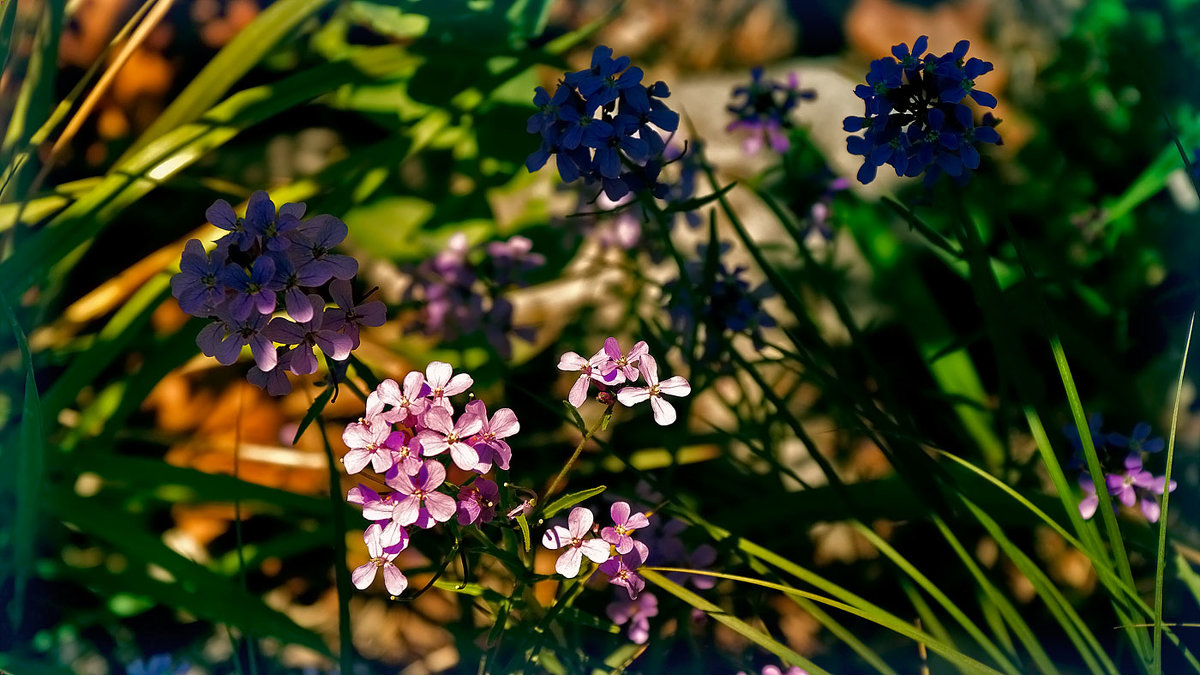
<point>406,452</point>
<point>1122,485</point>
<point>442,382</point>
<point>383,544</point>
<point>489,442</point>
<point>375,507</point>
<point>253,291</point>
<point>225,337</point>
<point>776,670</point>
<point>198,287</point>
<point>664,413</point>
<point>766,111</point>
<point>625,364</point>
<point>313,242</point>
<point>222,215</point>
<point>422,505</point>
<point>307,334</point>
<point>275,381</point>
<point>635,612</point>
<point>348,318</point>
<point>1089,504</point>
<point>1138,441</point>
<point>624,524</point>
<point>441,434</point>
<point>590,369</point>
<point>295,300</point>
<point>477,502</point>
<point>367,441</point>
<point>407,402</point>
<point>579,523</point>
<point>621,571</point>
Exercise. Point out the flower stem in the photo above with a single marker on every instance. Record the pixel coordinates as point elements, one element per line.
<point>340,571</point>
<point>587,435</point>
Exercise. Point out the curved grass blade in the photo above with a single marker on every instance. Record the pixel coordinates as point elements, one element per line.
<point>567,501</point>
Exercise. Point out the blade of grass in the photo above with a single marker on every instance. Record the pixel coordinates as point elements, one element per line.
<point>1160,558</point>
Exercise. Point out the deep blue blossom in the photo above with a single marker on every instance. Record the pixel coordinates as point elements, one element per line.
<point>718,300</point>
<point>766,111</point>
<point>603,125</point>
<point>915,117</point>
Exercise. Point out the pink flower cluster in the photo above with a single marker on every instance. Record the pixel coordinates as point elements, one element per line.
<point>616,551</point>
<point>610,367</point>
<point>406,428</point>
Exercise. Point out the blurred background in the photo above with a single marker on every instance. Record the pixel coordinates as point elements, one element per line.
<point>133,551</point>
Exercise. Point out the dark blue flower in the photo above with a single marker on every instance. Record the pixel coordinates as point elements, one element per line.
<point>766,110</point>
<point>199,286</point>
<point>254,291</point>
<point>1138,441</point>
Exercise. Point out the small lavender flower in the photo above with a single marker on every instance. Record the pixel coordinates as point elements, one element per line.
<point>348,318</point>
<point>625,523</point>
<point>442,434</point>
<point>625,364</point>
<point>222,215</point>
<point>308,334</point>
<point>367,441</point>
<point>636,613</point>
<point>477,502</point>
<point>588,369</point>
<point>253,291</point>
<point>376,508</point>
<point>421,504</point>
<point>199,286</point>
<point>313,241</point>
<point>274,381</point>
<point>489,441</point>
<point>406,452</point>
<point>622,571</point>
<point>766,111</point>
<point>443,383</point>
<point>664,413</point>
<point>225,337</point>
<point>572,538</point>
<point>383,544</point>
<point>407,402</point>
<point>915,119</point>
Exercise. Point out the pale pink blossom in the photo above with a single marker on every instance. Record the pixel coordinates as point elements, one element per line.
<point>442,382</point>
<point>367,441</point>
<point>664,413</point>
<point>588,369</point>
<point>421,504</point>
<point>442,434</point>
<point>383,544</point>
<point>579,523</point>
<point>405,402</point>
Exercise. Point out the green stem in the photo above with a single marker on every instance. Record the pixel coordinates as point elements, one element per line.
<point>587,436</point>
<point>340,571</point>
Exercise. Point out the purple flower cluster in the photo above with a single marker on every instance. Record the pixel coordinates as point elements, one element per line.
<point>616,552</point>
<point>915,117</point>
<point>407,429</point>
<point>610,367</point>
<point>460,290</point>
<point>602,124</point>
<point>266,261</point>
<point>1125,477</point>
<point>721,301</point>
<point>766,111</point>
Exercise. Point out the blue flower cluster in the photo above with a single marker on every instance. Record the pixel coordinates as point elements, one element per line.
<point>766,110</point>
<point>1121,459</point>
<point>723,304</point>
<point>620,149</point>
<point>240,282</point>
<point>916,119</point>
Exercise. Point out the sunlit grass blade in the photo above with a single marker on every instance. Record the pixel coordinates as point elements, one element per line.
<point>1160,557</point>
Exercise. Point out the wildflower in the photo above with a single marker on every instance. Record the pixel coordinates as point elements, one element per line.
<point>664,413</point>
<point>441,383</point>
<point>1090,502</point>
<point>766,111</point>
<point>422,505</point>
<point>622,571</point>
<point>407,402</point>
<point>224,339</point>
<point>312,243</point>
<point>254,291</point>
<point>367,441</point>
<point>383,545</point>
<point>625,364</point>
<point>636,613</point>
<point>1136,485</point>
<point>489,441</point>
<point>441,434</point>
<point>915,120</point>
<point>375,507</point>
<point>1138,441</point>
<point>308,334</point>
<point>603,150</point>
<point>579,522</point>
<point>274,381</point>
<point>624,524</point>
<point>406,452</point>
<point>776,670</point>
<point>477,502</point>
<point>199,286</point>
<point>590,369</point>
<point>348,318</point>
<point>222,215</point>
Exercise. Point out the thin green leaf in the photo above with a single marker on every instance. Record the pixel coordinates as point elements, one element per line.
<point>569,500</point>
<point>314,411</point>
<point>523,524</point>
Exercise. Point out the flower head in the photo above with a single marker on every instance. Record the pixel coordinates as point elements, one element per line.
<point>367,441</point>
<point>199,287</point>
<point>636,613</point>
<point>477,502</point>
<point>664,412</point>
<point>766,110</point>
<point>622,571</point>
<point>421,504</point>
<point>574,539</point>
<point>489,441</point>
<point>306,335</point>
<point>441,433</point>
<point>598,368</point>
<point>383,544</point>
<point>625,523</point>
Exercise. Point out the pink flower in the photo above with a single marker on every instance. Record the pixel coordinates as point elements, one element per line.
<point>636,613</point>
<point>367,442</point>
<point>664,413</point>
<point>442,385</point>
<point>624,525</point>
<point>621,571</point>
<point>489,442</point>
<point>572,538</point>
<point>383,544</point>
<point>477,502</point>
<point>406,452</point>
<point>442,434</point>
<point>407,402</point>
<point>625,364</point>
<point>591,369</point>
<point>374,507</point>
<point>422,505</point>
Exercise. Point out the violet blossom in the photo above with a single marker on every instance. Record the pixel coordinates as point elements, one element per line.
<point>635,612</point>
<point>442,382</point>
<point>422,505</point>
<point>308,334</point>
<point>477,502</point>
<point>367,441</point>
<point>579,523</point>
<point>622,571</point>
<point>589,369</point>
<point>406,402</point>
<point>441,434</point>
<point>625,524</point>
<point>383,544</point>
<point>489,441</point>
<point>664,412</point>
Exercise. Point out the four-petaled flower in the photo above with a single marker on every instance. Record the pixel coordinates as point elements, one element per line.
<point>442,383</point>
<point>422,505</point>
<point>636,613</point>
<point>441,434</point>
<point>625,364</point>
<point>367,441</point>
<point>572,538</point>
<point>489,441</point>
<point>624,524</point>
<point>308,334</point>
<point>383,544</point>
<point>406,402</point>
<point>664,413</point>
<point>477,502</point>
<point>622,571</point>
<point>588,369</point>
